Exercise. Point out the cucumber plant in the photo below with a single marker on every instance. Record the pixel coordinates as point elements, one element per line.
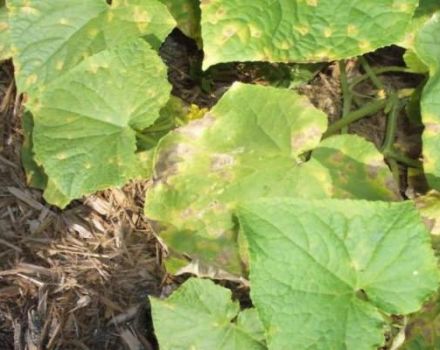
<point>261,186</point>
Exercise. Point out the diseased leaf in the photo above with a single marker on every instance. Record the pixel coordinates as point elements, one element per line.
<point>187,15</point>
<point>423,330</point>
<point>324,271</point>
<point>247,147</point>
<point>422,14</point>
<point>201,315</point>
<point>429,207</point>
<point>300,30</point>
<point>51,37</point>
<point>427,47</point>
<point>85,127</point>
<point>357,169</point>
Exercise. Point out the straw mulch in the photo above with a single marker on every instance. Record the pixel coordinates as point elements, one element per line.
<point>72,279</point>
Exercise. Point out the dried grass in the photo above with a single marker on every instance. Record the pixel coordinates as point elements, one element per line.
<point>72,279</point>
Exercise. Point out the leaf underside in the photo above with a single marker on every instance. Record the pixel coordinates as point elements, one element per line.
<point>329,268</point>
<point>300,30</point>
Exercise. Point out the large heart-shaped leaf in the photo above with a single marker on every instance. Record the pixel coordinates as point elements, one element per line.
<point>86,122</point>
<point>427,47</point>
<point>323,272</point>
<point>248,146</point>
<point>201,315</point>
<point>88,95</point>
<point>300,30</point>
<point>50,37</point>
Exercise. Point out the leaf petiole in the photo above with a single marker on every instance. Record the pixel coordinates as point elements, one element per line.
<point>367,110</point>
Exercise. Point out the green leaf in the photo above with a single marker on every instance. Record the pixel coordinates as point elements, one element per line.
<point>5,50</point>
<point>413,62</point>
<point>247,147</point>
<point>51,37</point>
<point>422,14</point>
<point>86,121</point>
<point>357,169</point>
<point>323,272</point>
<point>427,47</point>
<point>201,315</point>
<point>187,15</point>
<point>300,30</point>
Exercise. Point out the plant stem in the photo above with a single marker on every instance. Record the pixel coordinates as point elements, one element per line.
<point>390,133</point>
<point>371,74</point>
<point>401,158</point>
<point>395,171</point>
<point>366,110</point>
<point>347,96</point>
<point>388,149</point>
<point>378,71</point>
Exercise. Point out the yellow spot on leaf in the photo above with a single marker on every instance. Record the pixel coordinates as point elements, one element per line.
<point>365,46</point>
<point>29,10</point>
<point>303,30</point>
<point>110,16</point>
<point>3,26</point>
<point>142,17</point>
<point>93,67</point>
<point>61,156</point>
<point>352,30</point>
<point>31,79</point>
<point>328,32</point>
<point>59,65</point>
<point>403,7</point>
<point>313,3</point>
<point>92,32</point>
<point>255,31</point>
<point>63,21</point>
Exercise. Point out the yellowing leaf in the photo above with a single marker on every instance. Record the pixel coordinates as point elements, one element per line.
<point>300,30</point>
